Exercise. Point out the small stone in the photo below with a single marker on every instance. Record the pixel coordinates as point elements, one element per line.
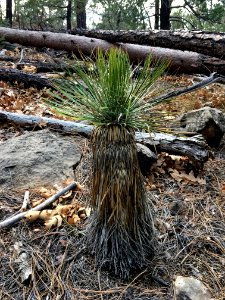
<point>189,288</point>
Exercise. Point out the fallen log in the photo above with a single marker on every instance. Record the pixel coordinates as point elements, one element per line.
<point>180,61</point>
<point>12,76</point>
<point>195,149</point>
<point>208,43</point>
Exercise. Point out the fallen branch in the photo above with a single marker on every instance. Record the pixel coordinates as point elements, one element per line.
<point>11,220</point>
<point>196,150</point>
<point>214,77</point>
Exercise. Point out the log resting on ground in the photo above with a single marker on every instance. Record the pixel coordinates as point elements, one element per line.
<point>195,149</point>
<point>180,61</point>
<point>208,43</point>
<point>12,76</point>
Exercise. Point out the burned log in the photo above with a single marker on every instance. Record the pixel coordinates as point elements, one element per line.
<point>12,76</point>
<point>180,61</point>
<point>208,43</point>
<point>195,149</point>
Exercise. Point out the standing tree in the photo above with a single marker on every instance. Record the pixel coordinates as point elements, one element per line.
<point>121,232</point>
<point>165,14</point>
<point>69,15</point>
<point>9,12</point>
<point>81,13</point>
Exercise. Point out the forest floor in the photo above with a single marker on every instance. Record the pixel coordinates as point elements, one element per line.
<point>189,221</point>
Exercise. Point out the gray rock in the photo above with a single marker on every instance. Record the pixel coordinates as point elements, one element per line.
<point>210,122</point>
<point>146,158</point>
<point>189,288</point>
<point>37,159</point>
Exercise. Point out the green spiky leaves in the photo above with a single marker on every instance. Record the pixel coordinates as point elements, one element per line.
<point>109,94</point>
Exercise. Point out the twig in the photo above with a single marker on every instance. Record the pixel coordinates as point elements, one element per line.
<point>26,201</point>
<point>11,220</point>
<point>214,77</point>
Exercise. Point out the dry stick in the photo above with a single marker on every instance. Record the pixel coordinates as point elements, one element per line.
<point>11,220</point>
<point>214,77</point>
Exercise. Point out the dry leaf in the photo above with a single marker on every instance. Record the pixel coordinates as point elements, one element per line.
<point>179,176</point>
<point>32,215</point>
<point>73,220</point>
<point>54,221</point>
<point>47,214</point>
<point>65,210</point>
<point>46,193</point>
<point>37,202</point>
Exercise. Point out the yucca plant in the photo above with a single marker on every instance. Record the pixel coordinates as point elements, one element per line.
<point>121,231</point>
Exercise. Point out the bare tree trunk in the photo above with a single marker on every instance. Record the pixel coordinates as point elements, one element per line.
<point>81,13</point>
<point>180,61</point>
<point>156,14</point>
<point>208,43</point>
<point>68,14</point>
<point>9,12</point>
<point>165,15</point>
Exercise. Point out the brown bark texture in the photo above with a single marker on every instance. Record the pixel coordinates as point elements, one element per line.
<point>180,61</point>
<point>208,43</point>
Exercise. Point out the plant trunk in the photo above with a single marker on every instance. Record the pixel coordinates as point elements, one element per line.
<point>121,233</point>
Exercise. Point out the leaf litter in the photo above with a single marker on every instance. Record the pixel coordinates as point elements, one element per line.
<point>189,210</point>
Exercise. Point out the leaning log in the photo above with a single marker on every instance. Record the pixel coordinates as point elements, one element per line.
<point>208,43</point>
<point>180,61</point>
<point>195,149</point>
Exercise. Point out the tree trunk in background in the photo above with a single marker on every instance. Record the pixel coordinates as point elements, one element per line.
<point>156,14</point>
<point>81,13</point>
<point>68,14</point>
<point>165,15</point>
<point>9,12</point>
<point>208,43</point>
<point>180,61</point>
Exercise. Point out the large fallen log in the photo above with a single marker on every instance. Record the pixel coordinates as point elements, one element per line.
<point>195,149</point>
<point>180,61</point>
<point>208,43</point>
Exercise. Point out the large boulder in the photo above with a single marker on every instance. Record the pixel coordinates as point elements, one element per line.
<point>37,159</point>
<point>210,122</point>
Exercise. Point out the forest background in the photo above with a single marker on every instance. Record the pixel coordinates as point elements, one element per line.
<point>61,15</point>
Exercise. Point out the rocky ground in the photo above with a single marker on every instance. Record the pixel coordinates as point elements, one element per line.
<point>189,214</point>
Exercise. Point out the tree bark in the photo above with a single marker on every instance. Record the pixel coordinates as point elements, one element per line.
<point>208,43</point>
<point>165,15</point>
<point>196,150</point>
<point>180,61</point>
<point>9,12</point>
<point>81,13</point>
<point>27,79</point>
<point>69,14</point>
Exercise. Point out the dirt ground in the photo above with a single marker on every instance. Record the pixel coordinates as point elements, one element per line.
<point>189,219</point>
